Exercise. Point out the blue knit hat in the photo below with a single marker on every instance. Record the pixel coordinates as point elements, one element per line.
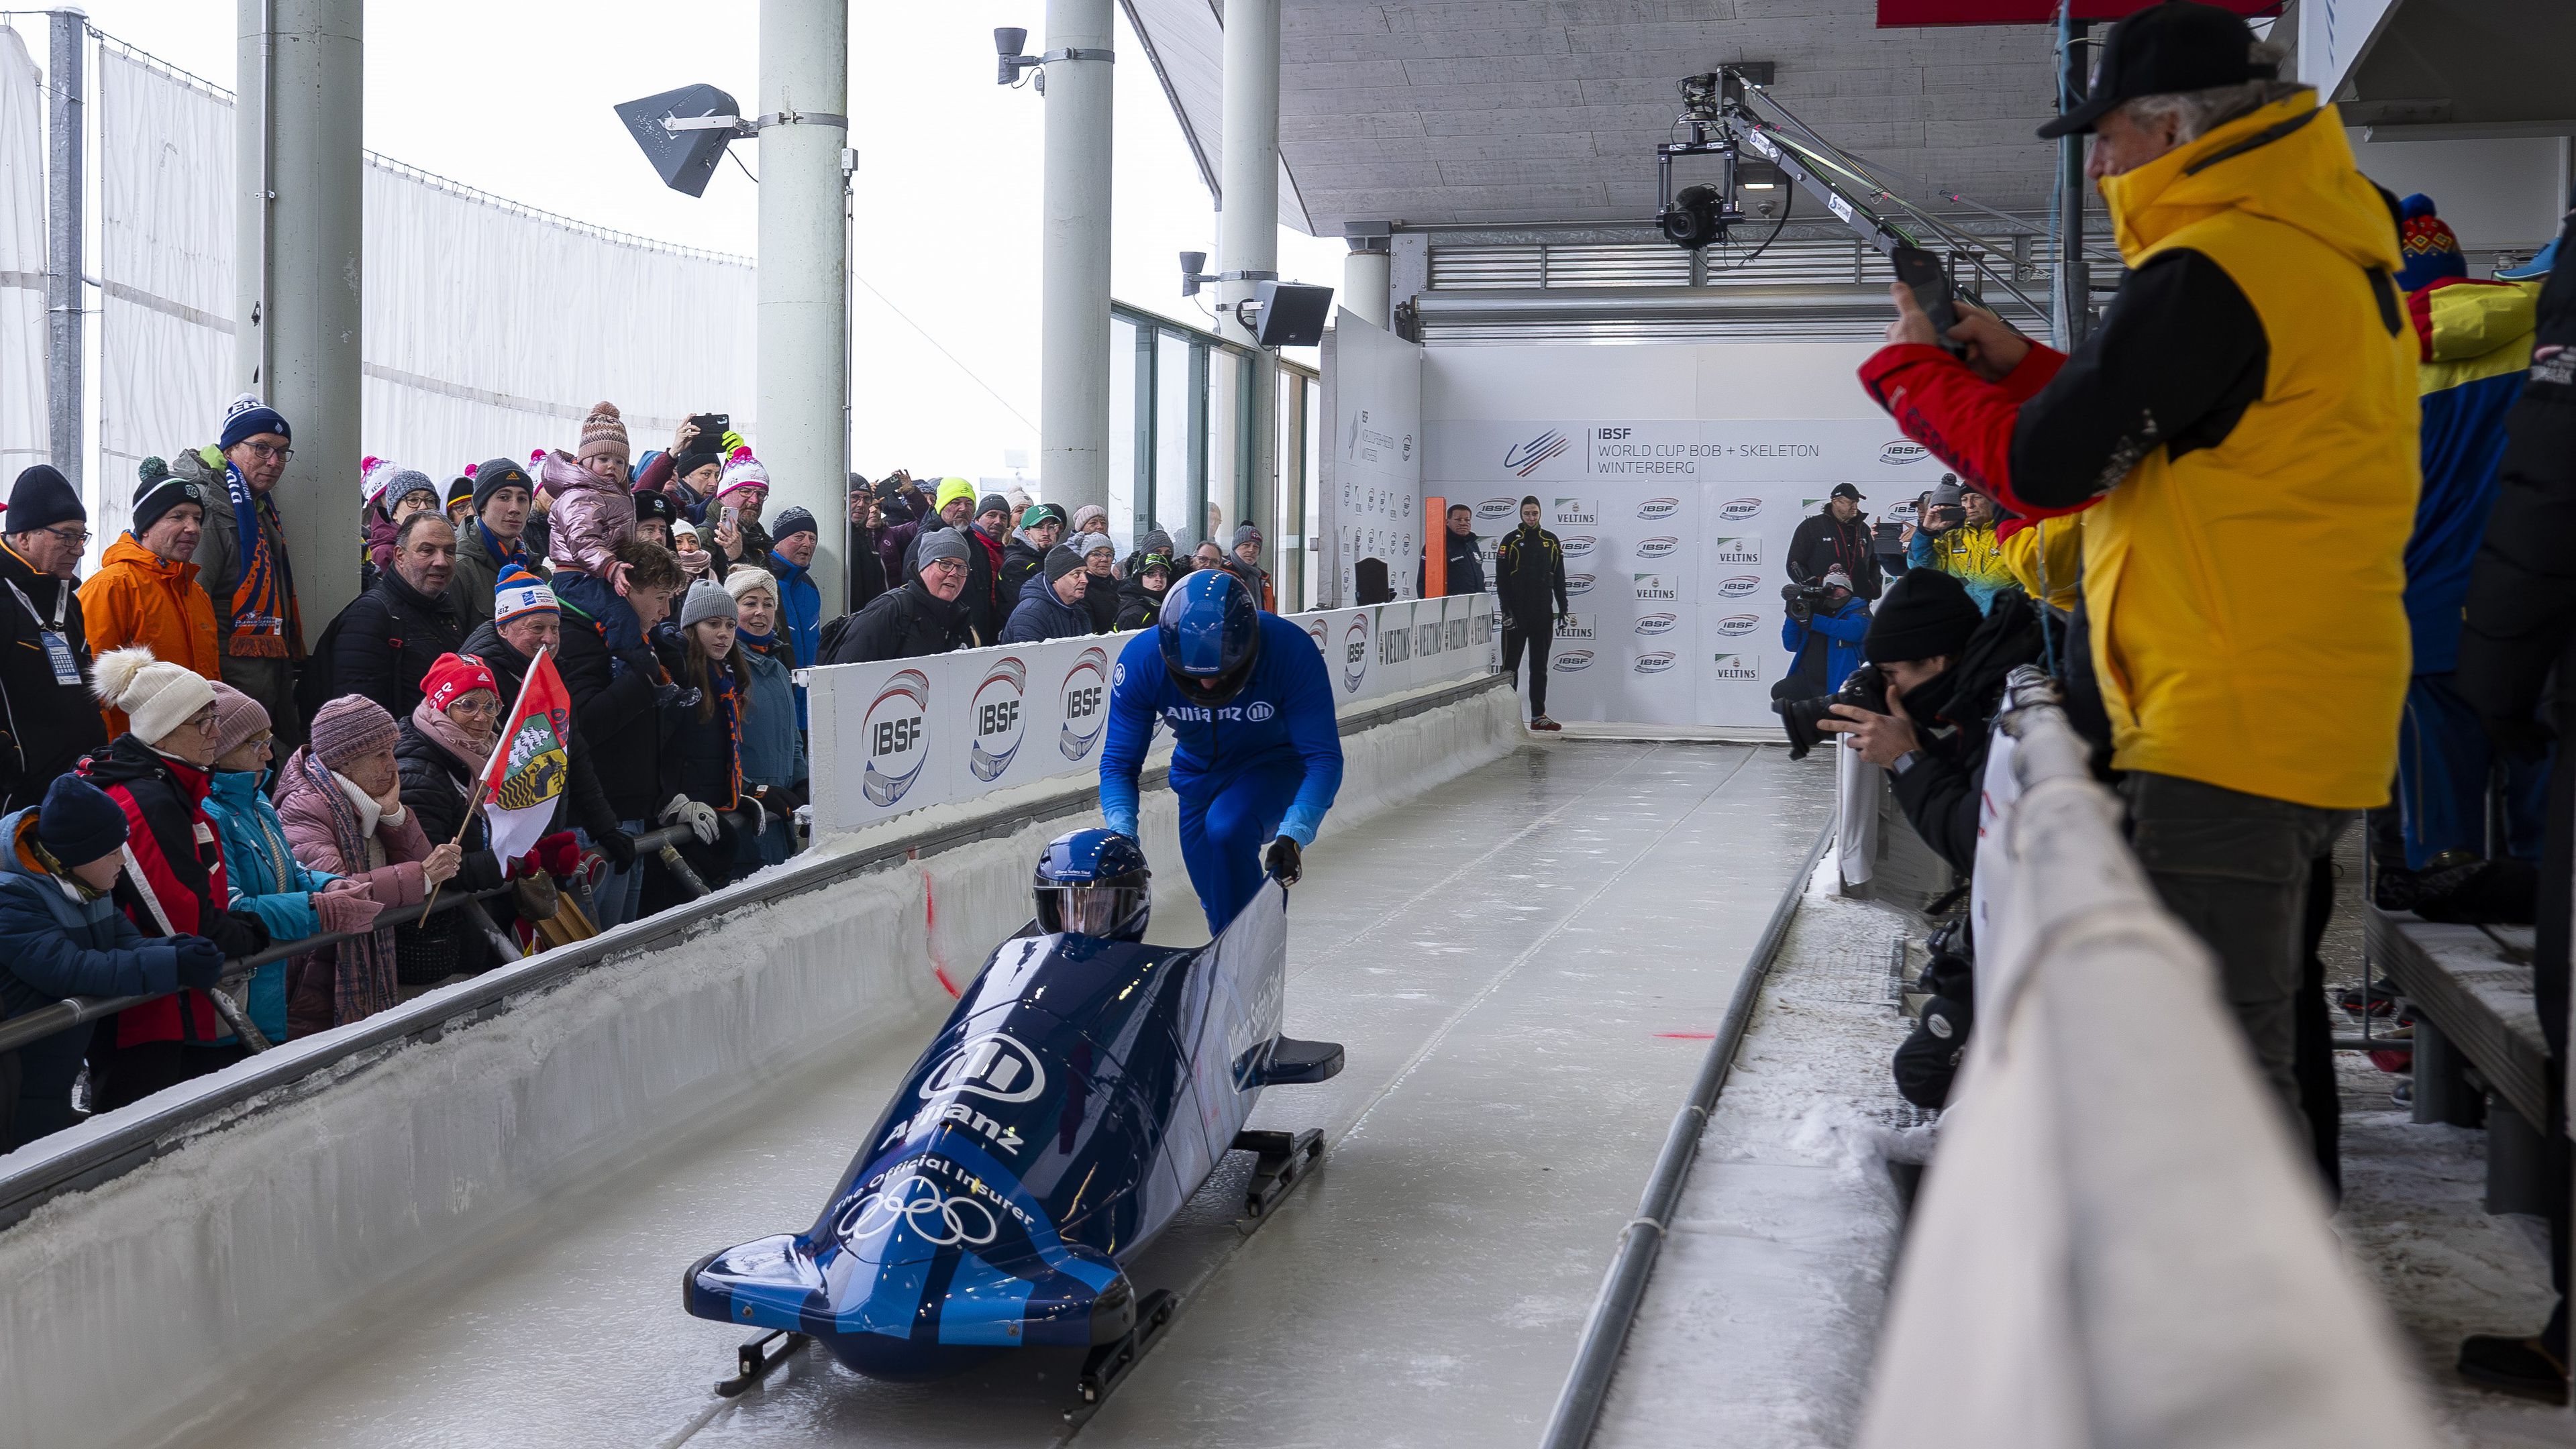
<point>2430,251</point>
<point>248,416</point>
<point>78,823</point>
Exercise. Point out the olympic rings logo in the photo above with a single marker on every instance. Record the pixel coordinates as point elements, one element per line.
<point>935,1217</point>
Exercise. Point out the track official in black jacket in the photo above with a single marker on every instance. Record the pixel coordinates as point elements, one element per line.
<point>923,617</point>
<point>1838,536</point>
<point>383,644</point>
<point>48,719</point>
<point>1529,583</point>
<point>1466,563</point>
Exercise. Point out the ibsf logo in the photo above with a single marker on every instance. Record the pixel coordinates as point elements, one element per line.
<point>1655,510</point>
<point>896,746</point>
<point>1903,451</point>
<point>1741,586</point>
<point>1901,513</point>
<point>1576,626</point>
<point>1315,631</point>
<point>993,1065</point>
<point>1576,545</point>
<point>1525,458</point>
<point>1737,625</point>
<point>1736,666</point>
<point>1736,510</point>
<point>1578,583</point>
<point>1736,550</point>
<point>997,711</point>
<point>1571,661</point>
<point>1355,652</point>
<point>1659,547</point>
<point>1657,623</point>
<point>1085,695</point>
<point>1572,511</point>
<point>1495,510</point>
<point>1654,663</point>
<point>1654,586</point>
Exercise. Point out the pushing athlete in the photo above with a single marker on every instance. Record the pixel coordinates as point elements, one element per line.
<point>1258,754</point>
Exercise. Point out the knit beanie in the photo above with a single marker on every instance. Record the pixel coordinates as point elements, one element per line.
<point>993,503</point>
<point>349,729</point>
<point>518,592</point>
<point>946,543</point>
<point>247,417</point>
<point>742,471</point>
<point>160,497</point>
<point>495,474</point>
<point>1246,533</point>
<point>78,823</point>
<point>1091,518</point>
<point>743,578</point>
<point>707,600</point>
<point>460,489</point>
<point>2431,251</point>
<point>41,498</point>
<point>950,490</point>
<point>1925,613</point>
<point>1060,561</point>
<point>683,528</point>
<point>603,434</point>
<point>157,697</point>
<point>1091,543</point>
<point>791,523</point>
<point>451,677</point>
<point>1156,541</point>
<point>237,718</point>
<point>684,464</point>
<point>387,483</point>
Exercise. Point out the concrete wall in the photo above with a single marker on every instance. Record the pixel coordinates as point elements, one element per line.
<point>141,1309</point>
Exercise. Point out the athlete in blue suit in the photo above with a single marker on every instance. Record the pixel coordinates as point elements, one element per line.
<point>1259,753</point>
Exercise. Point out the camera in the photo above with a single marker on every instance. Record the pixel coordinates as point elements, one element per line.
<point>1864,686</point>
<point>1802,600</point>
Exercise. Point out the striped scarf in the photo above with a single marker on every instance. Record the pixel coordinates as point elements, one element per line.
<point>262,620</point>
<point>363,979</point>
<point>720,685</point>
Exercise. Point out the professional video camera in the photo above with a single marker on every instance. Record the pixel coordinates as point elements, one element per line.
<point>1864,686</point>
<point>1802,599</point>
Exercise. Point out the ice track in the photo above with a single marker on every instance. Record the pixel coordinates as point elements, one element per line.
<point>1523,967</point>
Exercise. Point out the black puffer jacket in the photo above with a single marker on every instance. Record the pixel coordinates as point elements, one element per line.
<point>1100,596</point>
<point>1954,716</point>
<point>383,644</point>
<point>1021,560</point>
<point>584,803</point>
<point>435,788</point>
<point>614,712</point>
<point>904,623</point>
<point>46,725</point>
<point>1138,606</point>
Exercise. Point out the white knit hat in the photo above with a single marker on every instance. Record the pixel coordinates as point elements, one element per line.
<point>740,580</point>
<point>742,470</point>
<point>156,697</point>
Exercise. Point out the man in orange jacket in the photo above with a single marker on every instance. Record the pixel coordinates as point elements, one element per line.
<point>145,591</point>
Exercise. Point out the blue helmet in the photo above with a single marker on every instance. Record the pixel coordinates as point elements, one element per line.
<point>1210,629</point>
<point>1093,883</point>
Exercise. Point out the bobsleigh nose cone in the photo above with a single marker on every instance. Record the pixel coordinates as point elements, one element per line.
<point>1113,1312</point>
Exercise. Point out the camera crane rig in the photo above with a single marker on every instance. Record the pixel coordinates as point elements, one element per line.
<point>1730,111</point>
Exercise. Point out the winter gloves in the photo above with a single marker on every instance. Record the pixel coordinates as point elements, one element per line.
<point>345,912</point>
<point>201,961</point>
<point>699,816</point>
<point>619,847</point>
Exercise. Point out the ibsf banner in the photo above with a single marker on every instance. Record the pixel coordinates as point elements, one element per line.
<point>1675,537</point>
<point>899,735</point>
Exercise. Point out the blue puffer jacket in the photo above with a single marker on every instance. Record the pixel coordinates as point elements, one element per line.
<point>1041,616</point>
<point>53,944</point>
<point>266,880</point>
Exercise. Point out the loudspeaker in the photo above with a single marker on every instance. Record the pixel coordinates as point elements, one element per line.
<point>1293,313</point>
<point>684,159</point>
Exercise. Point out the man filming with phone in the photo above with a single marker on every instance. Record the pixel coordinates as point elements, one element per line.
<point>1957,536</point>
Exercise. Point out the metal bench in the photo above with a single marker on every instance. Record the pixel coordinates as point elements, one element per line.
<point>2479,1055</point>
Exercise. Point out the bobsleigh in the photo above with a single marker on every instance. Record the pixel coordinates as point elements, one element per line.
<point>1081,1092</point>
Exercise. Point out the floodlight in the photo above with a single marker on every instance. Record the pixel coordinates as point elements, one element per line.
<point>684,133</point>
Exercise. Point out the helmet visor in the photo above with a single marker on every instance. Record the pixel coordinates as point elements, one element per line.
<point>1096,910</point>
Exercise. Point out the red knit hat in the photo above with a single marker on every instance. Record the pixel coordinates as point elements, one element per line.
<point>452,677</point>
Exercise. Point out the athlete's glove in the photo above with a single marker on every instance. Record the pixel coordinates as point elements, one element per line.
<point>1284,861</point>
<point>699,816</point>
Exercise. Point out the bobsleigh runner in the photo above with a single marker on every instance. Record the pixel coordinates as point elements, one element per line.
<point>1081,1092</point>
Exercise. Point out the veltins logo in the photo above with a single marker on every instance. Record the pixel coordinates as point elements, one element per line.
<point>1736,550</point>
<point>1736,510</point>
<point>1740,586</point>
<point>1736,666</point>
<point>1524,458</point>
<point>1578,583</point>
<point>1662,546</point>
<point>1574,512</point>
<point>997,710</point>
<point>1085,697</point>
<point>1572,661</point>
<point>1735,626</point>
<point>897,745</point>
<point>1355,651</point>
<point>1654,663</point>
<point>1654,586</point>
<point>993,1065</point>
<point>1655,510</point>
<point>1576,626</point>
<point>1576,545</point>
<point>1657,623</point>
<point>1903,451</point>
<point>1495,510</point>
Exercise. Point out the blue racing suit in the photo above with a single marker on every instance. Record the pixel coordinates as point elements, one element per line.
<point>1266,763</point>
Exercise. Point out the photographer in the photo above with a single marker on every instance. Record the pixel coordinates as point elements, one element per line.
<point>1957,536</point>
<point>1837,537</point>
<point>1944,667</point>
<point>1822,634</point>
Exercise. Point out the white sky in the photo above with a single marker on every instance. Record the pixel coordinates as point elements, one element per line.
<point>513,96</point>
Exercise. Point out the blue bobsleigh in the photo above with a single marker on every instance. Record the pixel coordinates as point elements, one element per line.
<point>1081,1092</point>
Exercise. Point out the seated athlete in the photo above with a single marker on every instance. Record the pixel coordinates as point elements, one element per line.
<point>1259,753</point>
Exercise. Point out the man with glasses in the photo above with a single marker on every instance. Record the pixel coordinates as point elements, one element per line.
<point>241,561</point>
<point>922,617</point>
<point>47,717</point>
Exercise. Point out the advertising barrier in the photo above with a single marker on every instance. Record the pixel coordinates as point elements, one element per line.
<point>899,735</point>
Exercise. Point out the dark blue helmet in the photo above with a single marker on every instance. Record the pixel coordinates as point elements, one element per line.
<point>1210,628</point>
<point>1094,883</point>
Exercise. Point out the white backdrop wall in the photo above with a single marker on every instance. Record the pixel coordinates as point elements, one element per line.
<point>1369,502</point>
<point>22,259</point>
<point>1674,476</point>
<point>490,328</point>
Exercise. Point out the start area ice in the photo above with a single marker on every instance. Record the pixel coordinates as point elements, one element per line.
<point>1522,967</point>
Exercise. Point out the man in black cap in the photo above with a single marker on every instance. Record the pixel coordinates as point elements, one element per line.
<point>1051,602</point>
<point>47,718</point>
<point>1838,536</point>
<point>492,540</point>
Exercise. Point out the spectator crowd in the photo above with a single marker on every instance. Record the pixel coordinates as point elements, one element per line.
<point>193,773</point>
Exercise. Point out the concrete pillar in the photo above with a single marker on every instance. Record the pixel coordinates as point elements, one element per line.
<point>804,381</point>
<point>1073,257</point>
<point>1248,228</point>
<point>65,332</point>
<point>1365,280</point>
<point>301,166</point>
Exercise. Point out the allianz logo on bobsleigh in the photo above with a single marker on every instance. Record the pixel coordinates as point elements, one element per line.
<point>1737,625</point>
<point>1654,663</point>
<point>1571,661</point>
<point>1657,623</point>
<point>1658,547</point>
<point>1736,510</point>
<point>1735,550</point>
<point>1734,666</point>
<point>1656,510</point>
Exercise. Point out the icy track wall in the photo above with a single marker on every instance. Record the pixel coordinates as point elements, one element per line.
<point>167,1297</point>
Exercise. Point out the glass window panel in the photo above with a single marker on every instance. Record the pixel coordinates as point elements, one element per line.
<point>1172,452</point>
<point>1123,431</point>
<point>1225,445</point>
<point>1314,473</point>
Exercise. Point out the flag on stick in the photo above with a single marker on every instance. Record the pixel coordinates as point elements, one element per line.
<point>530,762</point>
